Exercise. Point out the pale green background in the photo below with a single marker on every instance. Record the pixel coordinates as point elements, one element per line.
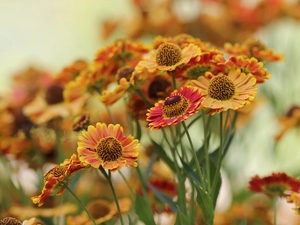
<point>51,34</point>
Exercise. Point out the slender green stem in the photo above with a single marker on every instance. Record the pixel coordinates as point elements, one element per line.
<point>141,94</point>
<point>206,152</point>
<point>126,182</point>
<point>180,184</point>
<point>220,154</point>
<point>192,203</point>
<point>275,209</point>
<point>194,154</point>
<point>80,203</point>
<point>173,80</point>
<point>108,177</point>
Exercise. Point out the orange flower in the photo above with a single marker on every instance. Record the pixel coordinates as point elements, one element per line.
<point>253,48</point>
<point>168,57</point>
<point>107,147</point>
<point>277,184</point>
<point>124,75</point>
<point>226,91</point>
<point>196,68</point>
<point>60,173</point>
<point>179,106</point>
<point>122,51</point>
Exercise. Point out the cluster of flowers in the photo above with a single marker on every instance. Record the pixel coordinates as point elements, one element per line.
<point>162,85</point>
<point>236,20</point>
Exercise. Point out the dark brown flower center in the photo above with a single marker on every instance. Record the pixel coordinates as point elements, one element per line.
<point>98,209</point>
<point>157,88</point>
<point>81,122</point>
<point>124,72</point>
<point>168,54</point>
<point>221,88</point>
<point>56,171</point>
<point>10,221</point>
<point>109,149</point>
<point>254,44</point>
<point>54,94</point>
<point>175,106</point>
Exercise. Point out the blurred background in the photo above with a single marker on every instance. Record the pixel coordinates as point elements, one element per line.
<point>52,34</point>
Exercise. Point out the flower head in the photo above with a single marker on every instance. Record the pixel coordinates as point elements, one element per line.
<point>179,106</point>
<point>10,221</point>
<point>277,184</point>
<point>105,146</point>
<point>53,177</point>
<point>226,91</point>
<point>168,56</point>
<point>253,48</point>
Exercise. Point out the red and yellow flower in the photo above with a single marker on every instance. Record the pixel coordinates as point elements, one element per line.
<point>226,91</point>
<point>60,173</point>
<point>105,146</point>
<point>277,184</point>
<point>179,106</point>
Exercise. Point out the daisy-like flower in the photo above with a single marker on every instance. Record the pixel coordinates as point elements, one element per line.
<point>251,65</point>
<point>277,184</point>
<point>197,68</point>
<point>168,56</point>
<point>253,48</point>
<point>61,172</point>
<point>105,146</point>
<point>179,106</point>
<point>226,91</point>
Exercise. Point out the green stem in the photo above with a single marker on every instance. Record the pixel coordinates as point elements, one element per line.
<point>180,187</point>
<point>194,154</point>
<point>220,154</point>
<point>108,177</point>
<point>126,182</point>
<point>206,152</point>
<point>275,209</point>
<point>141,94</point>
<point>173,80</point>
<point>80,203</point>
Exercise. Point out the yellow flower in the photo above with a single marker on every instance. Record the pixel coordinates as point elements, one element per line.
<point>226,91</point>
<point>107,147</point>
<point>168,57</point>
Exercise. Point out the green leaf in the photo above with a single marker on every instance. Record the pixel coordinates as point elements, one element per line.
<point>181,219</point>
<point>164,198</point>
<point>130,222</point>
<point>189,172</point>
<point>244,222</point>
<point>215,193</point>
<point>206,205</point>
<point>143,210</point>
<point>162,153</point>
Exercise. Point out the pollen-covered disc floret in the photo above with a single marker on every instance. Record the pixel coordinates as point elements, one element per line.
<point>168,54</point>
<point>221,88</point>
<point>105,146</point>
<point>226,91</point>
<point>179,106</point>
